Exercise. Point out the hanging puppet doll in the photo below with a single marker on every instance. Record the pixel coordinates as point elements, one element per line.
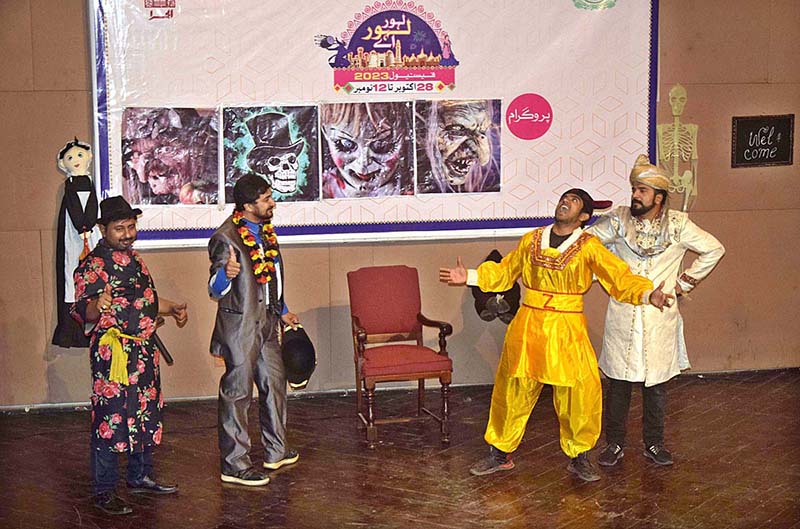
<point>77,235</point>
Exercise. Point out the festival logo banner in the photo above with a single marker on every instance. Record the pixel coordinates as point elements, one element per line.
<point>391,47</point>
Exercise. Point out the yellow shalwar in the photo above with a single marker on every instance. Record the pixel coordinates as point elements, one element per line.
<point>547,341</point>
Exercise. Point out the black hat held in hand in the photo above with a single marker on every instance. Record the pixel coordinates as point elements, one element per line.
<point>299,357</point>
<point>491,305</point>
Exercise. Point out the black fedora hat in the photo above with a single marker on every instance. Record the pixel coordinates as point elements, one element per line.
<point>299,357</point>
<point>490,305</point>
<point>116,208</point>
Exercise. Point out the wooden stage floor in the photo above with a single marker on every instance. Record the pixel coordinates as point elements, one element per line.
<point>735,439</point>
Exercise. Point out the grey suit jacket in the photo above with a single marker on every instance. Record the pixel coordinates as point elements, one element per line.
<point>242,311</point>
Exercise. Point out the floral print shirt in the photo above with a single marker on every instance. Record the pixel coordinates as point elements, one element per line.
<point>125,418</point>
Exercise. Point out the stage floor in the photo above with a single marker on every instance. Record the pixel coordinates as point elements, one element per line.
<point>735,439</point>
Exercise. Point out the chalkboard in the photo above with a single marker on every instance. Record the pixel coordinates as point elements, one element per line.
<point>762,140</point>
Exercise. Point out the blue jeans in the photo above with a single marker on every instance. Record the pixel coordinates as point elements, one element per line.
<point>105,467</point>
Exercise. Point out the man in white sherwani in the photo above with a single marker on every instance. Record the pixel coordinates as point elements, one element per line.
<point>641,343</point>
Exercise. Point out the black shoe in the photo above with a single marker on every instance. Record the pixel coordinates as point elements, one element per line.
<point>249,477</point>
<point>611,455</point>
<point>496,461</point>
<point>289,458</point>
<point>658,454</point>
<point>110,503</point>
<point>148,486</point>
<point>583,468</point>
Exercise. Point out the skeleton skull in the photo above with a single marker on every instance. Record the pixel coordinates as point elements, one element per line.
<point>283,172</point>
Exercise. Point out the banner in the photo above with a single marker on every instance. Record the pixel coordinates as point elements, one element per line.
<point>374,121</point>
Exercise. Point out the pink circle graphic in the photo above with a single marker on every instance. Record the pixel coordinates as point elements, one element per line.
<point>529,116</point>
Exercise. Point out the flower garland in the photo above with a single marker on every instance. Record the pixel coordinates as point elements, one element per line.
<point>263,261</point>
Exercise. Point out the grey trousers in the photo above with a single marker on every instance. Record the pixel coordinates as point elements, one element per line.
<point>265,368</point>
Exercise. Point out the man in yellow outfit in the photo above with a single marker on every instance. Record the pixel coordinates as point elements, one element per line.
<point>547,341</point>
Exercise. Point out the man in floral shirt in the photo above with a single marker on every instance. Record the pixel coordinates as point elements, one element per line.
<point>117,303</point>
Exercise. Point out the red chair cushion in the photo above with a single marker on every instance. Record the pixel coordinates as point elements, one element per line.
<point>400,359</point>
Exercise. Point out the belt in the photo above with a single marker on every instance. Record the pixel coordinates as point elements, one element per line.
<point>553,301</point>
<point>119,358</point>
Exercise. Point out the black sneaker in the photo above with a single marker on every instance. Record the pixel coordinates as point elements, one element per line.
<point>110,503</point>
<point>289,458</point>
<point>658,454</point>
<point>249,477</point>
<point>496,461</point>
<point>611,455</point>
<point>583,468</point>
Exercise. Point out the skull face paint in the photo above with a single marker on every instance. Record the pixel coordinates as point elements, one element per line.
<point>461,139</point>
<point>368,144</point>
<point>283,172</point>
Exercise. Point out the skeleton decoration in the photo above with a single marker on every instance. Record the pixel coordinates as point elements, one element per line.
<point>274,155</point>
<point>677,149</point>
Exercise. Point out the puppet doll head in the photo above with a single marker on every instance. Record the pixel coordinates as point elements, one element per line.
<point>75,158</point>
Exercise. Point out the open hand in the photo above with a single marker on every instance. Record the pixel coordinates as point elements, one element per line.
<point>454,276</point>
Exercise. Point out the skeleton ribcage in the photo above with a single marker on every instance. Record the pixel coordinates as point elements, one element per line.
<point>668,148</point>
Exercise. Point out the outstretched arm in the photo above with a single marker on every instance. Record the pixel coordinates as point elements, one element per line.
<point>454,276</point>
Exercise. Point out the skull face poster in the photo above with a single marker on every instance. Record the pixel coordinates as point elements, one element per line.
<point>458,145</point>
<point>169,155</point>
<point>366,149</point>
<point>279,143</point>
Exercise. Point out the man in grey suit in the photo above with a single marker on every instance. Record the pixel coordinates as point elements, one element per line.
<point>247,283</point>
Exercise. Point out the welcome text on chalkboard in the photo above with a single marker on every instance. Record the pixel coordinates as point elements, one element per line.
<point>762,140</point>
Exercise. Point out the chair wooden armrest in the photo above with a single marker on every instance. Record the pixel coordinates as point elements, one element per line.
<point>445,330</point>
<point>361,336</point>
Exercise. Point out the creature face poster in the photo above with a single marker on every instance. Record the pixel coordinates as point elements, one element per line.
<point>367,149</point>
<point>458,145</point>
<point>169,155</point>
<point>279,143</point>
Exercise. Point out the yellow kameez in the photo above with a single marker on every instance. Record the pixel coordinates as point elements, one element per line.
<point>547,341</point>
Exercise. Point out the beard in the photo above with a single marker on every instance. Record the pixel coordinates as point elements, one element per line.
<point>638,208</point>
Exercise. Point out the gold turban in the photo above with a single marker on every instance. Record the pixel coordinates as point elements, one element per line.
<point>644,172</point>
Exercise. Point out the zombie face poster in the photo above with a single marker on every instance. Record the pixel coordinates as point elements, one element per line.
<point>279,143</point>
<point>169,155</point>
<point>458,146</point>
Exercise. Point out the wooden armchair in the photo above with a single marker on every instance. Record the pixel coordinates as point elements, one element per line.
<point>385,308</point>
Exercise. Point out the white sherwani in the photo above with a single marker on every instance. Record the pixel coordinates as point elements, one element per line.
<point>641,343</point>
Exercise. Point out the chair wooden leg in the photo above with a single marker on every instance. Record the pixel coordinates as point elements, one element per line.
<point>359,402</point>
<point>372,431</point>
<point>420,396</point>
<point>445,412</point>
